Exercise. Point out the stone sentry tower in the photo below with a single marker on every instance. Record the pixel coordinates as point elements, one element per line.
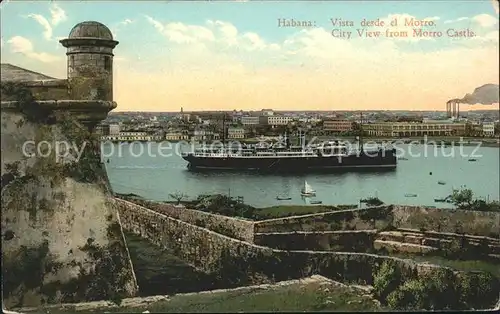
<point>62,239</point>
<point>90,61</point>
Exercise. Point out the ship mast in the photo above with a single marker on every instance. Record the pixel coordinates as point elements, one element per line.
<point>224,130</point>
<point>360,137</point>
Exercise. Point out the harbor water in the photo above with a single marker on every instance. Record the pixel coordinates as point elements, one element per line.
<point>139,168</point>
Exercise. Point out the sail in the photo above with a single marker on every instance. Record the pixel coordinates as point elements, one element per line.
<point>307,188</point>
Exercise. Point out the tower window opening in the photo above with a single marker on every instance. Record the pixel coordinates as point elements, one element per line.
<point>107,63</point>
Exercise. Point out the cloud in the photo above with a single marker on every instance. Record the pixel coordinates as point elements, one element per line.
<point>213,34</point>
<point>460,19</point>
<point>119,26</point>
<point>227,67</point>
<point>485,20</point>
<point>47,33</point>
<point>21,45</point>
<point>495,5</point>
<point>58,15</point>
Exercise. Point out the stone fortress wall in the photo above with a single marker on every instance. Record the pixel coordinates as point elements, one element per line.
<point>395,228</point>
<point>61,236</point>
<point>254,264</point>
<point>232,227</point>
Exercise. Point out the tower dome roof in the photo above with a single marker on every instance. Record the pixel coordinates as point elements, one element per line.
<point>90,29</point>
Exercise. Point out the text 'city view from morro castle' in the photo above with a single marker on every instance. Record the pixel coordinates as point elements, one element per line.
<point>242,156</point>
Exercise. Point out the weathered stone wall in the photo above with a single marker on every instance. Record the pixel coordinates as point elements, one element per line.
<point>248,263</point>
<point>392,216</point>
<point>228,226</point>
<point>90,74</point>
<point>62,241</point>
<point>371,241</point>
<point>342,241</point>
<point>43,90</point>
<point>355,219</point>
<point>447,220</point>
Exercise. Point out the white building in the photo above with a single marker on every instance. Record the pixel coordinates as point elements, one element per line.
<point>176,136</point>
<point>489,128</point>
<point>249,120</point>
<point>276,120</point>
<point>235,133</point>
<point>202,135</point>
<point>130,137</point>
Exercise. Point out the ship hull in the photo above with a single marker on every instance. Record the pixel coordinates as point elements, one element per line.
<point>373,161</point>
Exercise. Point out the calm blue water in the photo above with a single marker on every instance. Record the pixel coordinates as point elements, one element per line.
<point>154,177</point>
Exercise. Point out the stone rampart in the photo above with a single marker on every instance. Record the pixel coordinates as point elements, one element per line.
<point>447,220</point>
<point>62,240</point>
<point>341,241</point>
<point>43,90</point>
<point>247,263</point>
<point>392,216</point>
<point>352,219</point>
<point>228,226</point>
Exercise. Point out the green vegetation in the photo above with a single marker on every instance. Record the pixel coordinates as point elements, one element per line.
<point>439,290</point>
<point>26,269</point>
<point>294,298</point>
<point>372,201</point>
<point>224,205</point>
<point>16,91</point>
<point>464,199</point>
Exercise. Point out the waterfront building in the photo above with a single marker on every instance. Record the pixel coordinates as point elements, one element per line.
<point>202,135</point>
<point>275,120</point>
<point>337,125</point>
<point>429,128</point>
<point>129,137</point>
<point>249,120</point>
<point>236,133</point>
<point>488,128</point>
<point>176,136</point>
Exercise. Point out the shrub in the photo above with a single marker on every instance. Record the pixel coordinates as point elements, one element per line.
<point>413,294</point>
<point>386,280</point>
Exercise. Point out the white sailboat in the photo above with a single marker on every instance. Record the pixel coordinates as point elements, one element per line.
<point>307,190</point>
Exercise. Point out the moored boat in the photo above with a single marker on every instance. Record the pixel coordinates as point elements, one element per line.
<point>307,190</point>
<point>283,198</point>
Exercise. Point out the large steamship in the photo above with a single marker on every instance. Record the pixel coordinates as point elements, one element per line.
<point>284,157</point>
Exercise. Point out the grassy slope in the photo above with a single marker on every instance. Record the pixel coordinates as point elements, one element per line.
<point>159,272</point>
<point>468,265</point>
<point>310,297</point>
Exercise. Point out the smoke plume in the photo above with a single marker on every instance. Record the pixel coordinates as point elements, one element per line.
<point>485,95</point>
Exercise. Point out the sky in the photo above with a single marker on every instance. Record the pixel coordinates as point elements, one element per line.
<point>225,55</point>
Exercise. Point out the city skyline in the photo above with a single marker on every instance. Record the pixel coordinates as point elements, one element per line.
<point>233,55</point>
